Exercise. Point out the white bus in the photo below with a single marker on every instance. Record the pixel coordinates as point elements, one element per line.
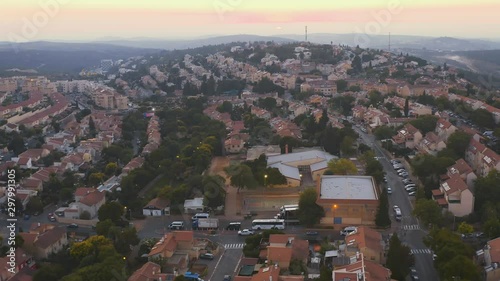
<point>268,224</point>
<point>289,207</point>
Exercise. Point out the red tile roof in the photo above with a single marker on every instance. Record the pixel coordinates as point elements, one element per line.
<point>92,198</point>
<point>280,238</point>
<point>148,272</point>
<point>183,236</point>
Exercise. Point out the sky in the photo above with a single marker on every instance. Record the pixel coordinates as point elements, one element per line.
<point>87,20</point>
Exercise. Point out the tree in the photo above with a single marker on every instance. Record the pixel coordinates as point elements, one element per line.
<point>425,124</point>
<point>398,258</point>
<point>458,142</point>
<point>85,215</point>
<point>103,227</point>
<point>342,166</point>
<point>96,178</point>
<point>356,64</point>
<point>92,128</point>
<point>428,211</point>
<point>465,228</point>
<point>309,212</point>
<point>110,210</point>
<point>35,205</point>
<point>241,176</point>
<point>341,85</point>
<point>49,272</point>
<point>382,219</point>
<point>226,106</point>
<point>213,191</point>
<point>110,168</point>
<point>346,147</point>
<point>407,107</point>
<point>383,132</point>
<point>483,118</point>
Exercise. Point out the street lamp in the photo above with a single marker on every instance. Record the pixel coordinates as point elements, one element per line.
<point>265,180</point>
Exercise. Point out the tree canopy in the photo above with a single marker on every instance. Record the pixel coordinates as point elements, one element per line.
<point>342,166</point>
<point>309,212</point>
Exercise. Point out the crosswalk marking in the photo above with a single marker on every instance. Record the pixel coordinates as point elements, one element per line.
<point>411,227</point>
<point>421,251</point>
<point>234,246</point>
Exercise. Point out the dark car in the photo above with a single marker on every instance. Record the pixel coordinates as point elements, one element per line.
<point>227,278</point>
<point>207,256</point>
<point>27,217</point>
<point>73,225</point>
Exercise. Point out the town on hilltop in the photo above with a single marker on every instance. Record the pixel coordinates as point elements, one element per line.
<point>252,161</point>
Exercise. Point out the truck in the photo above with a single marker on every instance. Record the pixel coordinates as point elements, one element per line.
<point>205,223</point>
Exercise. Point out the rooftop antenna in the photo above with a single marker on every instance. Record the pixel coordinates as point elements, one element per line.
<point>306,33</point>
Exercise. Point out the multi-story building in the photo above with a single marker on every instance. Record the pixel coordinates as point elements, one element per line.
<point>348,200</point>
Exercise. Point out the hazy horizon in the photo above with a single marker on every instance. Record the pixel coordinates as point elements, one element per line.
<point>91,20</point>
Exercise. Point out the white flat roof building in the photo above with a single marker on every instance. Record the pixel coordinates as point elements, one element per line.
<point>348,188</point>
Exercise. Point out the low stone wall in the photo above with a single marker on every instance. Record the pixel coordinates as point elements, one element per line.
<point>77,221</point>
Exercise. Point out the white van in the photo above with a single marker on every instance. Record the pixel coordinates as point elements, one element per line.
<point>177,225</point>
<point>348,230</point>
<point>200,216</point>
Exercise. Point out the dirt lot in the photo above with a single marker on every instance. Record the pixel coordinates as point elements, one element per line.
<point>217,166</point>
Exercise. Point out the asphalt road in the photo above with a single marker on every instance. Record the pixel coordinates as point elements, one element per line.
<point>409,229</point>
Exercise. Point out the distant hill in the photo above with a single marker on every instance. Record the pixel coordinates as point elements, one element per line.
<point>195,43</point>
<point>53,57</point>
<point>399,41</point>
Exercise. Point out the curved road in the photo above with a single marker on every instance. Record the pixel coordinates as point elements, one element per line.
<point>409,230</point>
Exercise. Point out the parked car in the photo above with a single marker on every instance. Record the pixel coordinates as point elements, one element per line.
<point>227,278</point>
<point>389,190</point>
<point>207,256</point>
<point>407,181</point>
<point>73,225</point>
<point>395,207</point>
<point>27,217</point>
<point>245,232</point>
<point>413,193</point>
<point>414,275</point>
<point>401,170</point>
<point>52,218</point>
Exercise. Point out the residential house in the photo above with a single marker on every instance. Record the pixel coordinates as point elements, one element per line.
<point>177,248</point>
<point>284,248</point>
<point>133,164</point>
<point>157,207</point>
<point>150,271</point>
<point>90,202</point>
<point>489,258</point>
<point>431,144</point>
<point>408,137</point>
<point>32,184</point>
<point>35,154</point>
<point>444,129</point>
<point>480,158</point>
<point>234,145</point>
<point>367,241</point>
<point>261,113</point>
<point>44,239</point>
<point>463,170</point>
<point>455,196</point>
<point>24,261</point>
<point>24,163</point>
<point>361,269</point>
